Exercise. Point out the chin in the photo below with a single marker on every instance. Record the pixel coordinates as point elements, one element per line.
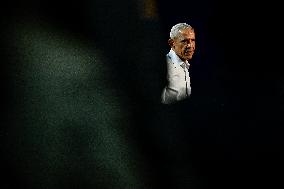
<point>188,57</point>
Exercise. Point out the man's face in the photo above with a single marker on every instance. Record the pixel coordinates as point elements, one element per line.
<point>184,44</point>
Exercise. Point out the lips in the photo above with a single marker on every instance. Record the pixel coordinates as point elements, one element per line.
<point>188,52</point>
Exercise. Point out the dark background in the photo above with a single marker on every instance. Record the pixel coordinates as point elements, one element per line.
<point>81,84</point>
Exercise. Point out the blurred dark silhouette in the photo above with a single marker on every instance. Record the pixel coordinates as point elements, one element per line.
<point>80,99</point>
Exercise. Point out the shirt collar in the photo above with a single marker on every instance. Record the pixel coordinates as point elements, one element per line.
<point>174,57</point>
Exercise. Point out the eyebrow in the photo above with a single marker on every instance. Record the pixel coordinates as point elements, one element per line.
<point>191,39</point>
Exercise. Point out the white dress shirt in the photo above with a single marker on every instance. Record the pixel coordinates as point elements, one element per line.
<point>178,86</point>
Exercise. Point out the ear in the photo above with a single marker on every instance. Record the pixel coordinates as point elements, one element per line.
<point>171,42</point>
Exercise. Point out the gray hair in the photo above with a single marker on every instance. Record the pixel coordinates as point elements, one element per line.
<point>176,29</point>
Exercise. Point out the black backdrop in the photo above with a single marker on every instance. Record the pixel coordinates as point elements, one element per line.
<point>81,83</point>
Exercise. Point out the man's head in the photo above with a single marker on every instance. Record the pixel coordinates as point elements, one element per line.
<point>182,40</point>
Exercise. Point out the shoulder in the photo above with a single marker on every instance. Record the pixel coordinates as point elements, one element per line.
<point>170,63</point>
<point>169,59</point>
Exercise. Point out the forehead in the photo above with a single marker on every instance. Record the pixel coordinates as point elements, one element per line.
<point>187,33</point>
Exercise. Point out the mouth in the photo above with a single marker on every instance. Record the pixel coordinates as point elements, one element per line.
<point>188,52</point>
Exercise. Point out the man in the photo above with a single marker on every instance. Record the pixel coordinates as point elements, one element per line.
<point>182,43</point>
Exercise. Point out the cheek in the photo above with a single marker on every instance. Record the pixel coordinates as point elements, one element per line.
<point>181,47</point>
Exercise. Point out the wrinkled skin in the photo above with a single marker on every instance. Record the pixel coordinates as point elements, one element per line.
<point>184,44</point>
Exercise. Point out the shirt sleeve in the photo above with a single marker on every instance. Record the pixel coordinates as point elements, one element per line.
<point>170,92</point>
